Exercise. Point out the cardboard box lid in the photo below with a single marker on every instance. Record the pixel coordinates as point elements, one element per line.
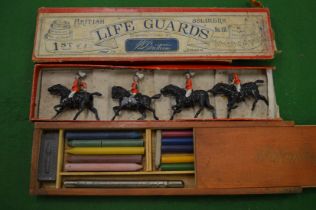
<point>152,34</point>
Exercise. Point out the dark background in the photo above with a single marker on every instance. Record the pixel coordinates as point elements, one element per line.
<point>294,24</point>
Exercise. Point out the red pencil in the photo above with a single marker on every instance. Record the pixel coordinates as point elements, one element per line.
<point>177,133</point>
<point>104,158</point>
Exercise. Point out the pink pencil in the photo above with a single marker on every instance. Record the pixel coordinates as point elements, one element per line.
<point>102,167</point>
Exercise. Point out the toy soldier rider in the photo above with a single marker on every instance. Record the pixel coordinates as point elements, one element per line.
<point>78,84</point>
<point>134,87</point>
<point>236,82</point>
<point>188,83</point>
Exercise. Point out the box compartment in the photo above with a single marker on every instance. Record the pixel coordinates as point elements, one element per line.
<point>222,164</point>
<point>102,78</point>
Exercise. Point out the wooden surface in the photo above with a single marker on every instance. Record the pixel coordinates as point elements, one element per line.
<point>160,124</point>
<point>256,157</point>
<point>169,191</point>
<point>231,157</point>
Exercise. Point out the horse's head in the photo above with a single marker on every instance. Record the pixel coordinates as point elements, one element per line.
<point>222,88</point>
<point>172,90</point>
<point>58,90</point>
<point>119,92</point>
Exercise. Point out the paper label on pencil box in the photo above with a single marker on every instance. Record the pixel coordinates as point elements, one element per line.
<point>156,34</point>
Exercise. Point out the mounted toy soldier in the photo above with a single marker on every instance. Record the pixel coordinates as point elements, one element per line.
<point>237,92</point>
<point>76,98</point>
<point>133,100</point>
<point>188,83</point>
<point>134,87</point>
<point>236,82</point>
<point>78,85</point>
<point>183,100</point>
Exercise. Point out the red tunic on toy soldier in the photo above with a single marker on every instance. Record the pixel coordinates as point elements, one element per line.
<point>134,88</point>
<point>236,82</point>
<point>78,84</point>
<point>188,84</point>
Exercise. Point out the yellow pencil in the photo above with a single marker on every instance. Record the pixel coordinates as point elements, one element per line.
<point>106,150</point>
<point>177,158</point>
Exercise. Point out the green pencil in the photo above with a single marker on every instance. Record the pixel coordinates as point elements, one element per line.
<point>106,143</point>
<point>177,166</point>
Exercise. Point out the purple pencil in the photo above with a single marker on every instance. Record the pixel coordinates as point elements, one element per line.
<point>177,133</point>
<point>177,148</point>
<point>102,167</point>
<point>104,158</point>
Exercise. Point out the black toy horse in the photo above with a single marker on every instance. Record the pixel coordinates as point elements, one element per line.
<point>82,100</point>
<point>139,102</point>
<point>197,97</point>
<point>247,90</point>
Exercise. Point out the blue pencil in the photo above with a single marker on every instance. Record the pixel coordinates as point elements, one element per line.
<point>177,148</point>
<point>82,135</point>
<point>177,141</point>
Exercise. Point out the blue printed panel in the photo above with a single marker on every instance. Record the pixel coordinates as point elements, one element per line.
<point>152,45</point>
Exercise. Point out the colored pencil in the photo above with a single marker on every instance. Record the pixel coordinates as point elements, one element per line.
<point>177,141</point>
<point>125,184</point>
<point>177,148</point>
<point>177,133</point>
<point>177,166</point>
<point>81,135</point>
<point>158,148</point>
<point>106,143</point>
<point>177,158</point>
<point>106,150</point>
<point>102,167</point>
<point>104,158</point>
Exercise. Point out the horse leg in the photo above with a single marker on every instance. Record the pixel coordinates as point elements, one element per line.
<point>116,110</point>
<point>95,111</point>
<point>173,114</point>
<point>261,97</point>
<point>254,104</point>
<point>57,113</point>
<point>153,111</point>
<point>80,110</point>
<point>175,111</point>
<point>201,106</point>
<point>143,112</point>
<point>228,112</point>
<point>57,106</point>
<point>231,105</point>
<point>210,107</point>
<point>198,112</point>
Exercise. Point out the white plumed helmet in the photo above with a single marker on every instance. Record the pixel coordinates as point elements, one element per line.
<point>140,75</point>
<point>190,73</point>
<point>82,74</point>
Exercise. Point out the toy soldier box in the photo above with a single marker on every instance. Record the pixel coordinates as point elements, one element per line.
<point>148,101</point>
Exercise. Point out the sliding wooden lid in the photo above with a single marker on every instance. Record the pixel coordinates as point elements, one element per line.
<point>152,34</point>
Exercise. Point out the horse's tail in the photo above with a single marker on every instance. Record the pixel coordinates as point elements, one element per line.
<point>96,94</point>
<point>157,96</point>
<point>259,81</point>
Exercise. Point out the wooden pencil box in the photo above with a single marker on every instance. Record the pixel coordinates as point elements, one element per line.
<point>251,152</point>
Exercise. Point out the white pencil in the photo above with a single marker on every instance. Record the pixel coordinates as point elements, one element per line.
<point>158,149</point>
